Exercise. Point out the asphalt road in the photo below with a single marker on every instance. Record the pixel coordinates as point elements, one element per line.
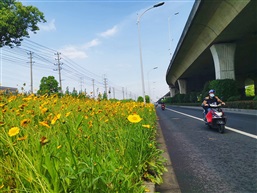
<point>206,161</point>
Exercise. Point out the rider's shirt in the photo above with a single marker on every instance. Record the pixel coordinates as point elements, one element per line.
<point>210,100</point>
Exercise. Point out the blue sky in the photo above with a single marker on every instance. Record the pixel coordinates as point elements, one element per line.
<point>99,40</point>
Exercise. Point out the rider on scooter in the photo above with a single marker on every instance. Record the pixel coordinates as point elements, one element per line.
<point>211,99</point>
<point>162,104</point>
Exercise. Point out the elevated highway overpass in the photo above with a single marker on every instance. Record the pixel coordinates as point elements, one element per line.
<point>219,41</point>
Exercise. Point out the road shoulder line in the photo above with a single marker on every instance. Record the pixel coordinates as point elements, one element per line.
<point>226,127</point>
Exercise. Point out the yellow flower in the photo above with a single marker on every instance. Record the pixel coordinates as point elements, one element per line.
<point>2,105</point>
<point>27,99</point>
<point>134,118</point>
<point>67,114</point>
<point>43,110</point>
<point>11,98</point>
<point>56,117</point>
<point>90,123</point>
<point>13,131</point>
<point>146,126</point>
<point>59,146</point>
<point>25,122</point>
<point>44,123</point>
<point>22,106</point>
<point>49,116</point>
<point>44,140</point>
<point>22,138</point>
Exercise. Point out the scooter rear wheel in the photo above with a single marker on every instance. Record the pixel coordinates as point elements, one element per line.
<point>221,128</point>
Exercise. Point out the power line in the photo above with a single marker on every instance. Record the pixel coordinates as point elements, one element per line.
<point>43,58</point>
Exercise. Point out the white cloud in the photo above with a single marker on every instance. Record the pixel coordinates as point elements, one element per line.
<point>109,32</point>
<point>48,26</point>
<point>79,52</point>
<point>73,52</point>
<point>92,43</point>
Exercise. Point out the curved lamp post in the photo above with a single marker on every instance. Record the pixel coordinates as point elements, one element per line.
<point>140,50</point>
<point>170,40</point>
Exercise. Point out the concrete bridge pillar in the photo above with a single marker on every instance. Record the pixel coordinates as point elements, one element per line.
<point>223,56</point>
<point>182,86</point>
<point>172,91</point>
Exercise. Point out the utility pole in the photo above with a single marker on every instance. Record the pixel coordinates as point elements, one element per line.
<point>31,74</point>
<point>105,86</point>
<point>97,92</point>
<point>59,69</point>
<point>123,92</point>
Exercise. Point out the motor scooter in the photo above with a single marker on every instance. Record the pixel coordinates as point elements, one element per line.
<point>163,106</point>
<point>215,118</point>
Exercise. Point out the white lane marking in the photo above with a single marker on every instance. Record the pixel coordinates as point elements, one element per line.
<point>228,128</point>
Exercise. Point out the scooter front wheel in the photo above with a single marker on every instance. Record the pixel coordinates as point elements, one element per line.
<point>221,128</point>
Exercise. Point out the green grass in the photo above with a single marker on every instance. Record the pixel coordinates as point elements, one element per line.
<point>83,146</point>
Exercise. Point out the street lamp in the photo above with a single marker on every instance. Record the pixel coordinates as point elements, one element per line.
<point>170,30</point>
<point>149,92</point>
<point>140,50</point>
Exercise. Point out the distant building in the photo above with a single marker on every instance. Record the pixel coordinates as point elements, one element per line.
<point>8,89</point>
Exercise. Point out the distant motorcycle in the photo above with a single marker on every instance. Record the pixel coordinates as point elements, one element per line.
<point>215,118</point>
<point>163,107</point>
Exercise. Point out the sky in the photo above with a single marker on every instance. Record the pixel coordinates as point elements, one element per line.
<point>98,46</point>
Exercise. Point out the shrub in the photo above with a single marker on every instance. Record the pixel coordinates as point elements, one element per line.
<point>234,98</point>
<point>242,104</point>
<point>180,98</point>
<point>193,97</point>
<point>224,88</point>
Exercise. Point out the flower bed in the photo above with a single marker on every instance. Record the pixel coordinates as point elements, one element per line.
<point>51,144</point>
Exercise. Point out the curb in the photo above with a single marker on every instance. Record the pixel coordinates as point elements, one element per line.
<point>170,183</point>
<point>241,111</point>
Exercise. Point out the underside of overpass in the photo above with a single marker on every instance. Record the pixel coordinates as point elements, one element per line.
<point>212,23</point>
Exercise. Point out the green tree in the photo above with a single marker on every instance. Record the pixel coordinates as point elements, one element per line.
<point>140,99</point>
<point>48,85</point>
<point>147,99</point>
<point>105,96</point>
<point>67,91</point>
<point>16,20</point>
<point>249,90</point>
<point>74,92</point>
